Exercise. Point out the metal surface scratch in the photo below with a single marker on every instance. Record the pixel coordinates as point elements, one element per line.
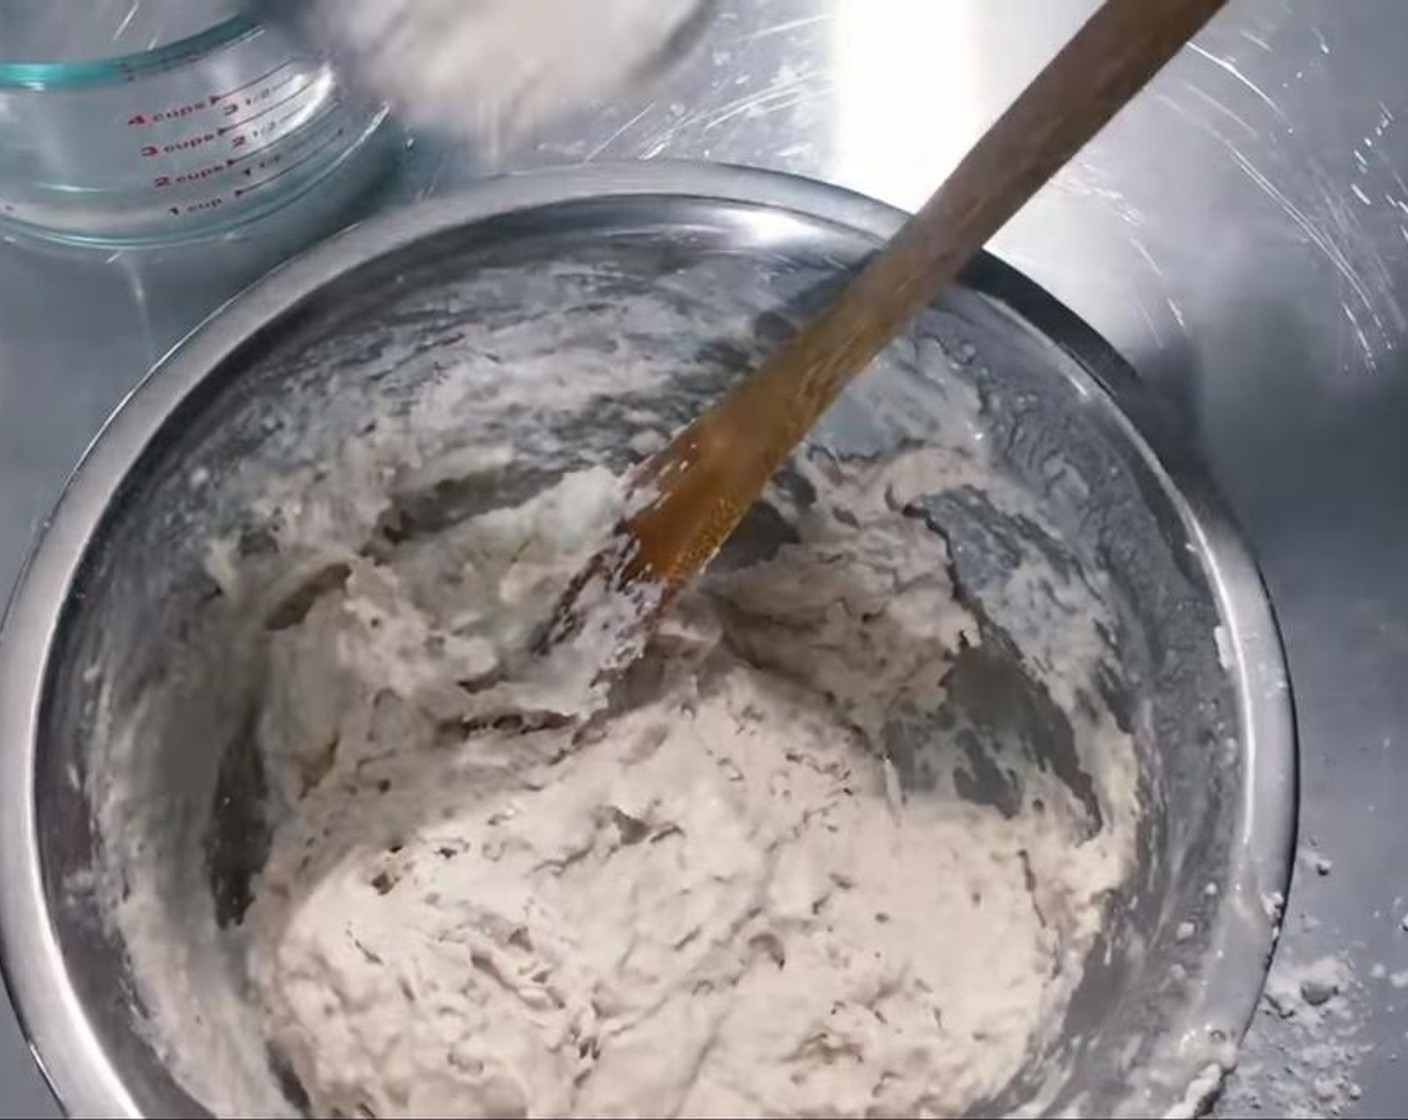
<point>657,145</point>
<point>778,29</point>
<point>601,147</point>
<point>1213,103</point>
<point>1371,264</point>
<point>1157,270</point>
<point>127,20</point>
<point>1362,311</point>
<point>782,94</point>
<point>1177,314</point>
<point>1387,165</point>
<point>1143,251</point>
<point>1359,336</point>
<point>1084,179</point>
<point>1149,322</point>
<point>1318,238</point>
<point>1228,68</point>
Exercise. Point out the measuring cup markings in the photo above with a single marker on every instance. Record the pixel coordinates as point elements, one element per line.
<point>198,207</point>
<point>219,123</point>
<point>297,136</point>
<point>211,115</point>
<point>218,97</point>
<point>137,120</point>
<point>281,166</point>
<point>263,93</point>
<point>329,139</point>
<point>185,144</point>
<point>240,124</point>
<point>306,144</point>
<point>160,182</point>
<point>207,101</point>
<point>298,132</point>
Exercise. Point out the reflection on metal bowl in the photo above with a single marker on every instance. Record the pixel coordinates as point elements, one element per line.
<point>1170,985</point>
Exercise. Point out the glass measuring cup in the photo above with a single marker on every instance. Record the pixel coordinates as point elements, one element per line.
<point>128,123</point>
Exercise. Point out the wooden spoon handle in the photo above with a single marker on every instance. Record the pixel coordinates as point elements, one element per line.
<point>713,470</point>
<point>696,489</point>
<point>1107,62</point>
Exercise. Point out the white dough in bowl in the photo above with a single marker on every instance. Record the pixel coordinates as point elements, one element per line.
<point>764,879</point>
<point>704,904</point>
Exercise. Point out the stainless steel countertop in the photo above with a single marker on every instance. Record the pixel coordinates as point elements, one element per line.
<point>1240,234</point>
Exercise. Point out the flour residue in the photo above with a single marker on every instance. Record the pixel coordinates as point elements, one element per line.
<point>1306,1066</point>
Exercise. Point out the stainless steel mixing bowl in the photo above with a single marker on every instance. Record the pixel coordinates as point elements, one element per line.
<point>1173,982</point>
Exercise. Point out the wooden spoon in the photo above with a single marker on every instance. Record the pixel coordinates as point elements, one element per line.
<point>690,495</point>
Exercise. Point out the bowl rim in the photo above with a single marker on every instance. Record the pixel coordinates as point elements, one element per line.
<point>51,1014</point>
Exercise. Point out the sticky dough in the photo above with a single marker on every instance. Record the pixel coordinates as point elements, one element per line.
<point>712,898</point>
